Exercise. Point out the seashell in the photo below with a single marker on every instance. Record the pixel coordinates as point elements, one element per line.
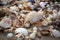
<point>26,7</point>
<point>30,5</point>
<point>40,12</point>
<point>42,4</point>
<point>45,32</point>
<point>9,35</point>
<point>27,25</point>
<point>20,6</point>
<point>14,9</point>
<point>54,11</point>
<point>45,23</point>
<point>5,23</point>
<point>48,19</point>
<point>19,36</point>
<point>22,30</point>
<point>37,24</point>
<point>32,36</point>
<point>17,23</point>
<point>23,15</point>
<point>7,10</point>
<point>32,17</point>
<point>55,33</point>
<point>35,30</point>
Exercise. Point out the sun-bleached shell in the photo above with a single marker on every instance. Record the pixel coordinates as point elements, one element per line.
<point>32,17</point>
<point>22,30</point>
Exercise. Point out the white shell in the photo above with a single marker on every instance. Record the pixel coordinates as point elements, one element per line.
<point>20,6</point>
<point>35,30</point>
<point>14,8</point>
<point>42,4</point>
<point>27,25</point>
<point>23,15</point>
<point>22,30</point>
<point>32,17</point>
<point>10,35</point>
<point>5,23</point>
<point>55,32</point>
<point>32,36</point>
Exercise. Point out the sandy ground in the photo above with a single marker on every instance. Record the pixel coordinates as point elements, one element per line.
<point>3,37</point>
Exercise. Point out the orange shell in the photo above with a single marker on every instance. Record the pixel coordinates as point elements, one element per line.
<point>37,24</point>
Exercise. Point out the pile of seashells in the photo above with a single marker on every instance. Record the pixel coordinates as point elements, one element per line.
<point>26,19</point>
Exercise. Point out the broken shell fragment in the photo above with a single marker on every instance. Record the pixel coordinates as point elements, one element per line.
<point>22,30</point>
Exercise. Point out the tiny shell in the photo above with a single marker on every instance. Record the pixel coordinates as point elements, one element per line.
<point>10,35</point>
<point>22,30</point>
<point>20,6</point>
<point>27,25</point>
<point>23,15</point>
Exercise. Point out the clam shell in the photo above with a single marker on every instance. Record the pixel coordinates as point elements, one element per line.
<point>5,23</point>
<point>22,30</point>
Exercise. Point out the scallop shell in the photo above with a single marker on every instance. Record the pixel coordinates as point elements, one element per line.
<point>22,30</point>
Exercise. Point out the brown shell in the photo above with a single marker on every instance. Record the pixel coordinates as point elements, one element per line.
<point>27,8</point>
<point>37,24</point>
